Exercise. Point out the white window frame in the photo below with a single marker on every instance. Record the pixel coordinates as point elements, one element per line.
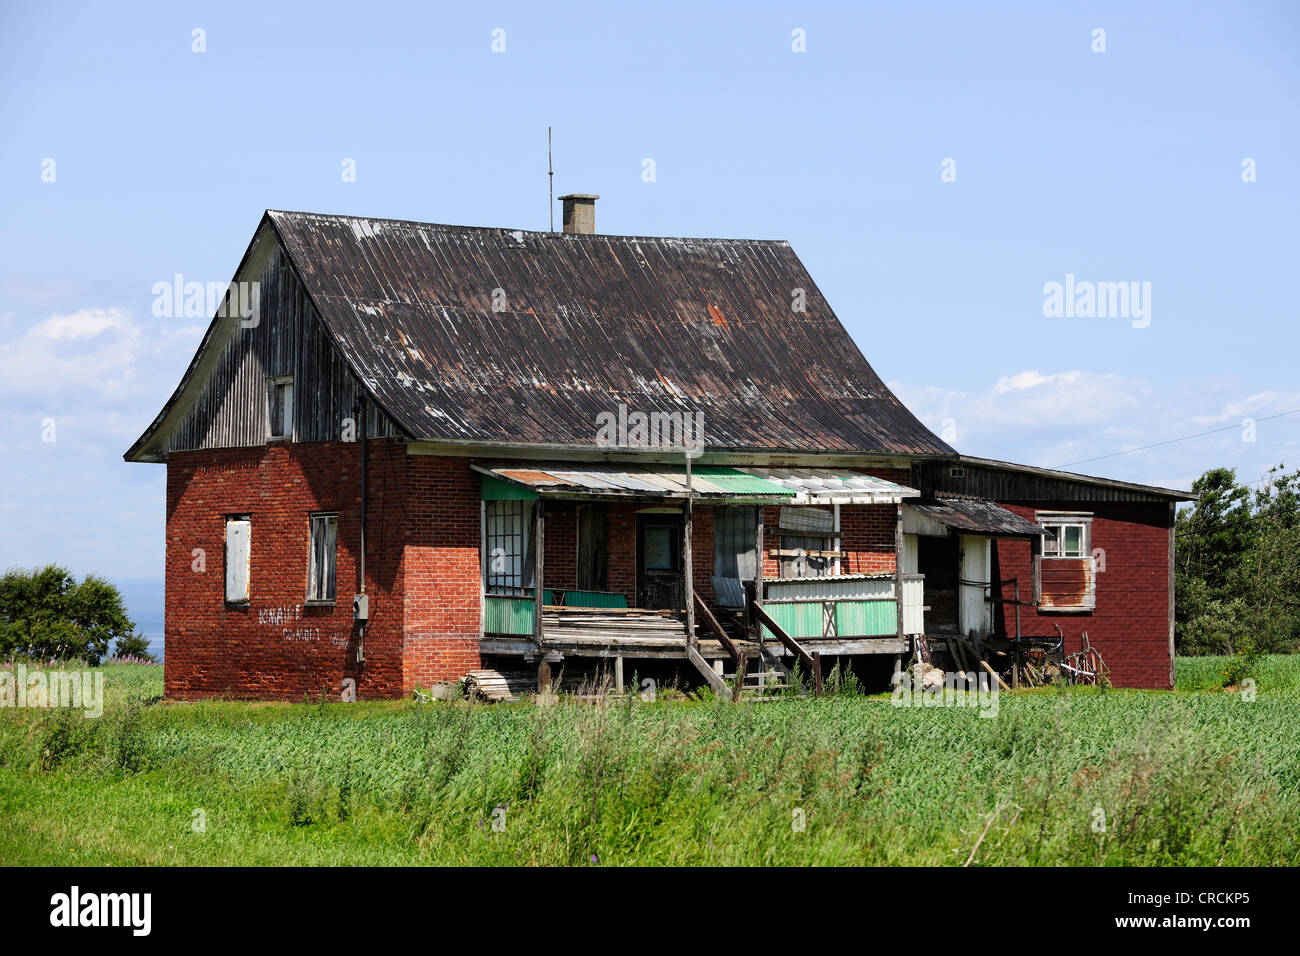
<point>281,406</point>
<point>1061,520</point>
<point>238,566</point>
<point>322,557</point>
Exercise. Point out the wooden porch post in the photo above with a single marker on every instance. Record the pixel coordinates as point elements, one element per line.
<point>758,579</point>
<point>688,573</point>
<point>898,566</point>
<point>539,592</point>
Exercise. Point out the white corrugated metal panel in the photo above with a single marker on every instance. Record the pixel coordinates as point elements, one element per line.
<point>830,588</point>
<point>914,604</point>
<point>830,485</point>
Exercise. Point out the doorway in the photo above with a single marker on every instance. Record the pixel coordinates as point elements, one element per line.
<point>659,562</point>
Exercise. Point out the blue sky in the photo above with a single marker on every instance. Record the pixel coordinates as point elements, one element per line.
<point>1115,166</point>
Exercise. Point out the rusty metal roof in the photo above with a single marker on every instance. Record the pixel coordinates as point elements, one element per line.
<point>787,486</point>
<point>977,516</point>
<point>567,478</point>
<point>471,335</point>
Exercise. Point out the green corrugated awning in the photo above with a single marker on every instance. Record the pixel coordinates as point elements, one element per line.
<point>737,481</point>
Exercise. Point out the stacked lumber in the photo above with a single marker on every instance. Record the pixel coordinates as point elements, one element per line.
<point>496,686</point>
<point>613,625</point>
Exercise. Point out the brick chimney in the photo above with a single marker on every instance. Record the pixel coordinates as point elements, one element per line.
<point>580,213</point>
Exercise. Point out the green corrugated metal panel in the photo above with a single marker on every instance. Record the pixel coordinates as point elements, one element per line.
<point>737,481</point>
<point>799,620</point>
<point>508,615</point>
<point>866,618</point>
<point>494,489</point>
<point>804,619</point>
<point>594,599</point>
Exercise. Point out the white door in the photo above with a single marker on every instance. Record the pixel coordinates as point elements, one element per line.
<point>975,568</point>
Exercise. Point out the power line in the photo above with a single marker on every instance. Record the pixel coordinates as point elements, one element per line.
<point>1212,431</point>
<point>1257,516</point>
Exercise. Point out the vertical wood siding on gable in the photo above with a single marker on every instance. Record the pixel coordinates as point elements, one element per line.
<point>233,408</point>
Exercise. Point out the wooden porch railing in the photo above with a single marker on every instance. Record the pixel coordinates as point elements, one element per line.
<point>724,639</point>
<point>813,661</point>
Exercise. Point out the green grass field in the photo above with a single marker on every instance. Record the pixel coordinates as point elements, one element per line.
<point>1059,777</point>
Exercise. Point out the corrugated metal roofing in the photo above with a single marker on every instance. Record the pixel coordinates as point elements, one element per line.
<point>790,486</point>
<point>829,485</point>
<point>668,481</point>
<point>493,335</point>
<point>977,516</point>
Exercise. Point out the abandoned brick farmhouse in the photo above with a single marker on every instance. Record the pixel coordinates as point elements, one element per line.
<point>407,452</point>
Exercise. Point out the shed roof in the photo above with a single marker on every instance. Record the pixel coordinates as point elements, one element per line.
<point>976,516</point>
<point>468,334</point>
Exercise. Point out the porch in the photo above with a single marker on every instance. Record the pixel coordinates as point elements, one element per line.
<point>736,570</point>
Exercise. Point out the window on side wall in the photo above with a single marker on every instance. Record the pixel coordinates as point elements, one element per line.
<point>321,551</point>
<point>282,407</point>
<point>239,532</point>
<point>1065,575</point>
<point>807,542</point>
<point>507,536</point>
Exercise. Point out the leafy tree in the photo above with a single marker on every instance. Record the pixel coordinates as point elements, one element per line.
<point>133,645</point>
<point>1237,568</point>
<point>46,613</point>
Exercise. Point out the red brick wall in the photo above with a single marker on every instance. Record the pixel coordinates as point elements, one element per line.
<point>561,567</point>
<point>1130,626</point>
<point>442,577</point>
<point>866,539</point>
<point>275,647</point>
<point>620,551</point>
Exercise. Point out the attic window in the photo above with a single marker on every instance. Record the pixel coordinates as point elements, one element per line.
<point>282,407</point>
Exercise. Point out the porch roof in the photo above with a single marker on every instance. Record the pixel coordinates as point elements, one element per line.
<point>977,516</point>
<point>565,479</point>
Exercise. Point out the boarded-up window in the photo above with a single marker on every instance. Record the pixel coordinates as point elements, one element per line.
<point>323,545</point>
<point>510,565</point>
<point>238,555</point>
<point>805,556</point>
<point>282,407</point>
<point>1065,574</point>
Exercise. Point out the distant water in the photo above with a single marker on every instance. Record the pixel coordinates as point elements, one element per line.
<point>144,604</point>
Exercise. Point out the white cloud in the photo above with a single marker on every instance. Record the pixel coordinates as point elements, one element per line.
<point>1053,419</point>
<point>102,354</point>
<point>101,374</point>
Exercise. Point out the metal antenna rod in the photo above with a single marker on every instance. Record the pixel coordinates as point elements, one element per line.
<point>551,173</point>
